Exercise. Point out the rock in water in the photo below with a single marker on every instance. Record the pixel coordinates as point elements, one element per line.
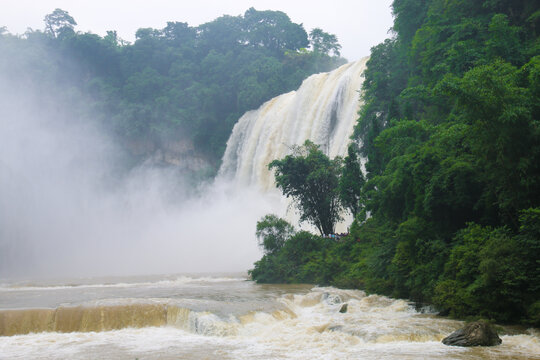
<point>343,308</point>
<point>331,299</point>
<point>477,333</point>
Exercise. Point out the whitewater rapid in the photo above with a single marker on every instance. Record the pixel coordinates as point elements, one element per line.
<point>324,110</point>
<point>225,317</point>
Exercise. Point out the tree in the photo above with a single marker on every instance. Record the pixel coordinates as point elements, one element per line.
<point>272,233</point>
<point>58,21</point>
<point>273,30</point>
<point>408,17</point>
<point>311,179</point>
<point>323,42</point>
<point>222,35</point>
<point>179,33</point>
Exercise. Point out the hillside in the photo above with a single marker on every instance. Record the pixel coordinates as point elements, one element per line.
<point>449,213</point>
<point>174,94</point>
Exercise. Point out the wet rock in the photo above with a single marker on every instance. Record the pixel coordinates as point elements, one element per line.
<point>335,328</point>
<point>477,333</point>
<point>344,308</point>
<point>331,299</point>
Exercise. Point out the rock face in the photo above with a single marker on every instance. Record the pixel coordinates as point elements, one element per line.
<point>477,333</point>
<point>178,152</point>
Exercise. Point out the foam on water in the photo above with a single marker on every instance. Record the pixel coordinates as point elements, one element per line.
<point>303,325</point>
<point>161,283</point>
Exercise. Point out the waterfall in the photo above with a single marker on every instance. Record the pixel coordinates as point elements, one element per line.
<point>324,110</point>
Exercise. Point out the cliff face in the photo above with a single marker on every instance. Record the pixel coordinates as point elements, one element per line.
<point>179,152</point>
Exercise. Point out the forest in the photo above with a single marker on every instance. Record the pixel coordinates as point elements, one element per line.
<point>179,81</point>
<point>448,211</point>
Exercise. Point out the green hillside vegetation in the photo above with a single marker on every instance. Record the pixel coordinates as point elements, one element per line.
<point>449,212</point>
<point>181,80</point>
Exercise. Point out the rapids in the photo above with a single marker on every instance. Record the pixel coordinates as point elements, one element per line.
<point>224,317</point>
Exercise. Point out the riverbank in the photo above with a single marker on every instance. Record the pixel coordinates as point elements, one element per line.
<point>462,279</point>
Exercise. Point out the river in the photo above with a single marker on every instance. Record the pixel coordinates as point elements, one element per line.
<point>224,316</point>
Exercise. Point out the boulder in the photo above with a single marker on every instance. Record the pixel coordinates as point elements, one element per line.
<point>477,333</point>
<point>343,308</point>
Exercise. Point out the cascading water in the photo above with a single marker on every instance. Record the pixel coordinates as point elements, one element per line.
<point>225,317</point>
<point>324,110</point>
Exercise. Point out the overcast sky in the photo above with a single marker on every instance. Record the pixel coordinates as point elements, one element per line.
<point>358,24</point>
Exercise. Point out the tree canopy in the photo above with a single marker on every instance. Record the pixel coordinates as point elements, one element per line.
<point>272,233</point>
<point>351,183</point>
<point>323,42</point>
<point>450,129</point>
<point>311,179</point>
<point>451,133</point>
<point>179,81</point>
<point>59,21</point>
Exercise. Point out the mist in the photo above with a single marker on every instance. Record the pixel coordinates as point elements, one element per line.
<point>69,207</point>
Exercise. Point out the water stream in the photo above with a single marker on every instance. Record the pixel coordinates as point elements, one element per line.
<point>224,317</point>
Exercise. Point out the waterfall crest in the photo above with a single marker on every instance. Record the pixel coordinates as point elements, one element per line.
<point>324,110</point>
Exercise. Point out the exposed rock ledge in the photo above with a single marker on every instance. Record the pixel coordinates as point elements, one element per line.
<point>179,152</point>
<point>477,333</point>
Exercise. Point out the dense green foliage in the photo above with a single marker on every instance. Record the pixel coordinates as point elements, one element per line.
<point>192,82</point>
<point>288,264</point>
<point>351,183</point>
<point>451,132</point>
<point>310,178</point>
<point>272,233</point>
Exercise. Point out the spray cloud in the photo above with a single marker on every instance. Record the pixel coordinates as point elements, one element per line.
<point>68,208</point>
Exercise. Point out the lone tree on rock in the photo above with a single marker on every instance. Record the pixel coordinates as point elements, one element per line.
<point>311,179</point>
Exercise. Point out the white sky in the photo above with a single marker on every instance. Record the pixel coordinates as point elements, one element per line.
<point>358,24</point>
